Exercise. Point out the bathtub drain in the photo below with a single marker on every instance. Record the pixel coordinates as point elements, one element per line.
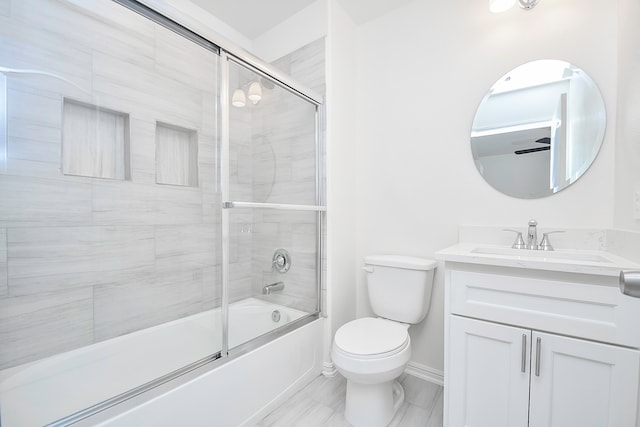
<point>275,316</point>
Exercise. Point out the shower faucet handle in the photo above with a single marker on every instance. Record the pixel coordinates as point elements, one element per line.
<point>281,261</point>
<point>519,242</point>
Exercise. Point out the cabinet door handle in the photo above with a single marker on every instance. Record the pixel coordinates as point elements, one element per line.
<point>538,345</point>
<point>523,363</point>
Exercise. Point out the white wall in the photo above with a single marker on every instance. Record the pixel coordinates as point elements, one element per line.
<point>422,70</point>
<point>341,159</point>
<point>628,120</point>
<point>299,30</point>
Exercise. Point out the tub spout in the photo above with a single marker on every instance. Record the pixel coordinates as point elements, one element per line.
<point>267,289</point>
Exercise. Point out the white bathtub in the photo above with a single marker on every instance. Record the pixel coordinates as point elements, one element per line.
<point>47,390</point>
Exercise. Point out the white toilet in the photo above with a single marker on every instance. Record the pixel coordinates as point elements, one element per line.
<point>372,352</point>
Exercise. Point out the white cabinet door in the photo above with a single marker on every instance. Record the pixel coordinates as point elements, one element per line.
<point>488,375</point>
<point>582,383</point>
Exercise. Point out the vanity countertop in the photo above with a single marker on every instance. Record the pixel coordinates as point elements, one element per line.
<point>569,261</point>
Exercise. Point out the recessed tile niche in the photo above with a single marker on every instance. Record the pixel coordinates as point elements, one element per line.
<point>176,155</point>
<point>95,141</point>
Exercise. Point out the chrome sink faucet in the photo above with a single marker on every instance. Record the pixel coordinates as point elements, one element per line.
<point>532,238</point>
<point>532,235</point>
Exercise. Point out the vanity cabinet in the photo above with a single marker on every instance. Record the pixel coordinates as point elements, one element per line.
<point>539,348</point>
<point>507,376</point>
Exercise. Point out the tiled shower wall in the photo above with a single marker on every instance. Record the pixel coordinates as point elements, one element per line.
<point>295,176</point>
<point>83,259</point>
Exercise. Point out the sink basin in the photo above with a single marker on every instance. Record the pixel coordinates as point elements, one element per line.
<point>543,255</point>
<point>565,260</point>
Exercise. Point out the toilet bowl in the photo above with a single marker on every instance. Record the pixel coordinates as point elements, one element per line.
<point>371,352</point>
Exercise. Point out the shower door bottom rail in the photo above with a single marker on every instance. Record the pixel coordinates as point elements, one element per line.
<point>94,409</point>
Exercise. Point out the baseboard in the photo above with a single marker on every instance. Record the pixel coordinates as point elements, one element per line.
<point>425,372</point>
<point>329,369</point>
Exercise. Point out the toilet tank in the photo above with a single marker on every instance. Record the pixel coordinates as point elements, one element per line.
<point>400,286</point>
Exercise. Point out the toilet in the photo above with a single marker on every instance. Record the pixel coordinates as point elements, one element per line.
<point>371,352</point>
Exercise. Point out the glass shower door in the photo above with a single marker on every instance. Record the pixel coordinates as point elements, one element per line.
<point>109,205</point>
<point>272,215</point>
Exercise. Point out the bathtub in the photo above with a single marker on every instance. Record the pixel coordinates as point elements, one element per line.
<point>44,391</point>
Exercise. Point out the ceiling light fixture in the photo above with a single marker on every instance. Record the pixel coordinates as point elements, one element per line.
<point>238,99</point>
<point>254,93</point>
<point>497,6</point>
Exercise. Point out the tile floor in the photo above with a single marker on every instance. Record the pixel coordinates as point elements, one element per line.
<point>321,404</point>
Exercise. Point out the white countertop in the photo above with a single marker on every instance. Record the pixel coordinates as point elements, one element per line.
<point>570,261</point>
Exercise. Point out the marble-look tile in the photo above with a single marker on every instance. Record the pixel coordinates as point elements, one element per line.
<point>303,410</point>
<point>123,203</point>
<point>210,100</point>
<point>211,202</point>
<point>296,64</point>
<point>241,169</point>
<point>321,403</point>
<point>211,287</point>
<point>36,109</point>
<point>41,325</point>
<point>436,418</point>
<point>22,127</point>
<point>140,91</point>
<point>34,253</point>
<point>105,27</point>
<point>186,246</point>
<point>128,203</point>
<point>159,297</point>
<point>173,51</point>
<point>65,281</point>
<point>3,263</point>
<point>26,46</point>
<point>414,416</point>
<point>303,243</point>
<point>5,7</point>
<point>142,151</point>
<point>178,205</point>
<point>26,201</point>
<point>419,392</point>
<point>329,391</point>
<point>241,242</point>
<point>36,169</point>
<point>34,150</point>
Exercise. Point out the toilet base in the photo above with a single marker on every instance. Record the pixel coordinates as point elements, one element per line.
<point>372,405</point>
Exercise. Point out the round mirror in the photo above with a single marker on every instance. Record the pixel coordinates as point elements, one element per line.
<point>538,129</point>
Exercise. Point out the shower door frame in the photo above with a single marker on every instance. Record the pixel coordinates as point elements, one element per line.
<point>262,69</point>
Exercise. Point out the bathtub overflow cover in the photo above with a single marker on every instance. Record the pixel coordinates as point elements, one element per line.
<point>281,261</point>
<point>275,316</point>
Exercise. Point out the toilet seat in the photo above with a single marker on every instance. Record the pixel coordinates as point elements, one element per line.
<point>371,338</point>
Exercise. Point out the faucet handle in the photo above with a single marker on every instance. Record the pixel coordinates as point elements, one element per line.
<point>545,244</point>
<point>519,243</point>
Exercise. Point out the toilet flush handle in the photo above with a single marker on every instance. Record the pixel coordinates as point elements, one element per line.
<point>368,269</point>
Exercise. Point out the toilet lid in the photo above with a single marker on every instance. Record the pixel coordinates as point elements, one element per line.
<point>369,336</point>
